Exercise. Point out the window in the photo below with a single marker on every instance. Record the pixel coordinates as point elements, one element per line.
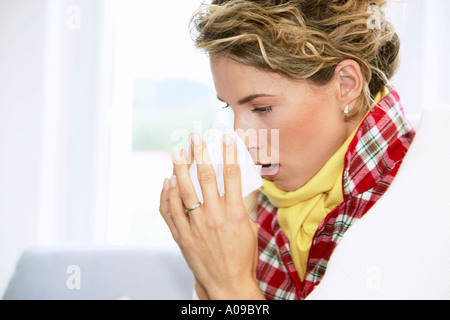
<point>162,91</point>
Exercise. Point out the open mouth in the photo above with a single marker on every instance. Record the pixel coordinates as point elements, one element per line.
<point>270,171</point>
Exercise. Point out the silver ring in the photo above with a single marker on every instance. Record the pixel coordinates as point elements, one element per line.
<point>193,207</point>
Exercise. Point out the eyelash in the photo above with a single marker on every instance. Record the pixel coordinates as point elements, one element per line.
<point>263,110</point>
<point>256,110</point>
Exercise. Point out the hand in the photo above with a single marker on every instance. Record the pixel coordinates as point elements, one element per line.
<point>218,239</point>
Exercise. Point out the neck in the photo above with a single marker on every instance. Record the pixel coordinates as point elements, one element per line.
<point>352,125</point>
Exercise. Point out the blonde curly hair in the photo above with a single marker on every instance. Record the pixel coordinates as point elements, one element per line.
<point>303,39</point>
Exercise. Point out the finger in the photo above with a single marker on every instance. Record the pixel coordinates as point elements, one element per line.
<point>164,209</point>
<point>164,198</point>
<point>177,210</point>
<point>231,173</point>
<point>185,185</point>
<point>206,174</point>
<point>190,156</point>
<point>255,230</point>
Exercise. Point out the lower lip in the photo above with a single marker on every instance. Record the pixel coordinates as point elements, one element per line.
<point>270,172</point>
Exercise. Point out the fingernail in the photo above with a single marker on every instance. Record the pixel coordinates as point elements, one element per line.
<point>167,184</point>
<point>173,182</point>
<point>176,156</point>
<point>228,140</point>
<point>196,139</point>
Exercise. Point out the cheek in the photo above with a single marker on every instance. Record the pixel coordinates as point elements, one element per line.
<point>300,140</point>
<point>296,132</point>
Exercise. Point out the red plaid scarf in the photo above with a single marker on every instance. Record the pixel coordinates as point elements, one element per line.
<point>371,163</point>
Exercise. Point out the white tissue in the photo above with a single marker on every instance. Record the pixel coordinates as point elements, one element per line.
<point>250,176</point>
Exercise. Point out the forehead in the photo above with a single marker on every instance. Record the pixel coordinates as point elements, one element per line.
<point>227,68</point>
<point>233,79</point>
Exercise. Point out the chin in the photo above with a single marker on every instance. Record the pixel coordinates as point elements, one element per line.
<point>282,185</point>
<point>288,185</point>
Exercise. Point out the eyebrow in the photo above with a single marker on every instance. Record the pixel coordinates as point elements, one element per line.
<point>250,98</point>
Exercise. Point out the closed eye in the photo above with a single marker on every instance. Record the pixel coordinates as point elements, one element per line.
<point>263,110</point>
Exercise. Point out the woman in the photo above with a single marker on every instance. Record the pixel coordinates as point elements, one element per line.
<point>316,71</point>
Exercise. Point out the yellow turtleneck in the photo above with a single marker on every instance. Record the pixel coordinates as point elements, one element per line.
<point>300,212</point>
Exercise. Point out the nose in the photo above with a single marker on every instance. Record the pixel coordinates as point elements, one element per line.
<point>261,142</point>
<point>248,129</point>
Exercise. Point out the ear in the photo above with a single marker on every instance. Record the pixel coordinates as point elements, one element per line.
<point>351,82</point>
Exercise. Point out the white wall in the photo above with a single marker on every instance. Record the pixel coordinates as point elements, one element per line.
<point>437,50</point>
<point>424,29</point>
<point>21,102</point>
<point>409,21</point>
<point>52,155</point>
<point>71,128</point>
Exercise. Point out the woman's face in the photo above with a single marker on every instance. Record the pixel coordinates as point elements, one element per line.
<point>298,125</point>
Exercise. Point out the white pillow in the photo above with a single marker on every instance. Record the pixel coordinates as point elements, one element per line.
<point>401,248</point>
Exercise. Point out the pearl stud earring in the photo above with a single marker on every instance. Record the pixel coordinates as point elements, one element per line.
<point>347,110</point>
